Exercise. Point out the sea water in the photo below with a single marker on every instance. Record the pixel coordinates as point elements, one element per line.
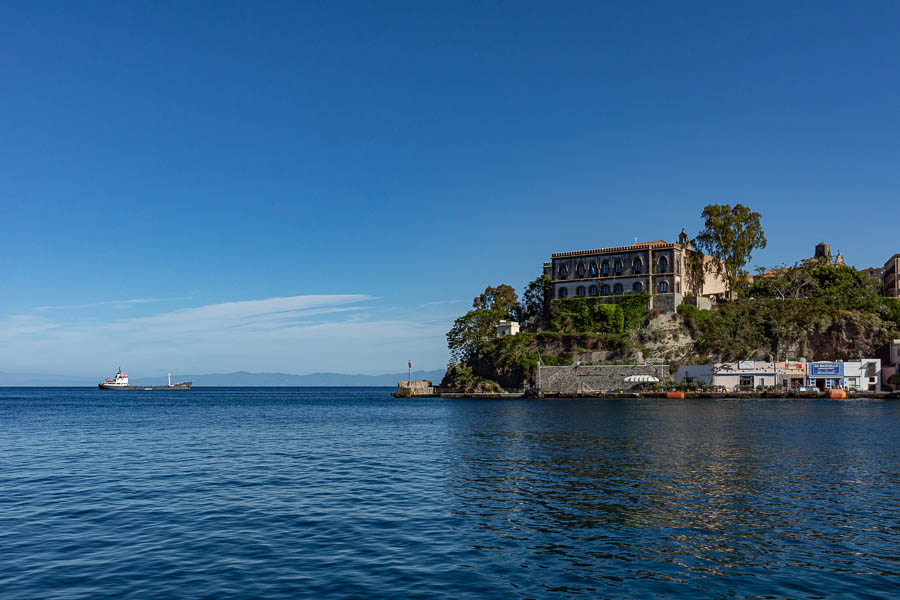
<point>350,493</point>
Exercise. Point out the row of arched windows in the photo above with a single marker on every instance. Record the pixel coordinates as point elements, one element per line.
<point>617,289</point>
<point>637,267</point>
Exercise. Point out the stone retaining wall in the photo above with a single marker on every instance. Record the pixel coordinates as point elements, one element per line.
<point>600,378</point>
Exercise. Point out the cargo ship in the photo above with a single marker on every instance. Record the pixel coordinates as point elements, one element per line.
<point>120,382</point>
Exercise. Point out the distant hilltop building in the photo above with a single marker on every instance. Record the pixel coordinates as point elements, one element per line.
<point>823,253</point>
<point>886,278</point>
<point>659,268</point>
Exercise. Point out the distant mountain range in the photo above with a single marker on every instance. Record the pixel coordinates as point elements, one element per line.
<point>236,379</point>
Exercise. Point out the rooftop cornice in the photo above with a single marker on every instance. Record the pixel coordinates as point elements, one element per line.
<point>631,248</point>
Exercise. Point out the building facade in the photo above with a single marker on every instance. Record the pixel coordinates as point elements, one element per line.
<point>507,328</point>
<point>744,374</point>
<point>863,375</point>
<point>893,365</point>
<point>658,268</point>
<point>890,281</point>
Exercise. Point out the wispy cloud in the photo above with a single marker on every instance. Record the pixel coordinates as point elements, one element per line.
<point>294,334</point>
<point>105,303</point>
<point>439,303</point>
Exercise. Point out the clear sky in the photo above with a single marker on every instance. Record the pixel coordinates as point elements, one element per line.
<point>206,187</point>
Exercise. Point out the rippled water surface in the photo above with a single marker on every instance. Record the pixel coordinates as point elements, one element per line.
<point>349,493</point>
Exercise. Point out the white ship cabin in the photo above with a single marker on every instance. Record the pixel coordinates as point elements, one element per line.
<point>121,379</point>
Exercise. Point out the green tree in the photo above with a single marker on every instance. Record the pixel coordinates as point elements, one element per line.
<point>695,267</point>
<point>730,235</point>
<point>478,326</point>
<point>783,282</point>
<point>535,302</point>
<point>502,298</point>
<point>470,332</point>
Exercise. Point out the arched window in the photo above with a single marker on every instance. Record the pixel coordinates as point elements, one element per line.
<point>637,265</point>
<point>618,267</point>
<point>604,289</point>
<point>663,264</point>
<point>637,287</point>
<point>678,287</point>
<point>579,291</point>
<point>604,268</point>
<point>618,289</point>
<point>677,266</point>
<point>663,287</point>
<point>579,270</point>
<point>593,269</point>
<point>563,292</point>
<point>592,290</point>
<point>563,271</point>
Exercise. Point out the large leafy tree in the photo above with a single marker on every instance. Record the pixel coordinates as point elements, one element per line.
<point>695,267</point>
<point>502,298</point>
<point>469,332</point>
<point>535,301</point>
<point>479,325</point>
<point>730,235</point>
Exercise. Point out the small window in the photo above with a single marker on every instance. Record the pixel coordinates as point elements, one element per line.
<point>747,380</point>
<point>618,289</point>
<point>604,268</point>
<point>604,290</point>
<point>637,287</point>
<point>677,266</point>
<point>563,292</point>
<point>678,287</point>
<point>579,270</point>
<point>579,291</point>
<point>663,264</point>
<point>593,290</point>
<point>563,271</point>
<point>637,265</point>
<point>618,267</point>
<point>593,269</point>
<point>663,287</point>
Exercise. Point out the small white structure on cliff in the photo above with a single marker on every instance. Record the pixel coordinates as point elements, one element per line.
<point>505,328</point>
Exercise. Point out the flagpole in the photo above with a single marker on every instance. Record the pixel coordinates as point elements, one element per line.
<point>408,372</point>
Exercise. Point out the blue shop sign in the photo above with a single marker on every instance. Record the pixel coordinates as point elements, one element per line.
<point>826,369</point>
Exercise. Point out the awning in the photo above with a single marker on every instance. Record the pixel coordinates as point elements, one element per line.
<point>641,379</point>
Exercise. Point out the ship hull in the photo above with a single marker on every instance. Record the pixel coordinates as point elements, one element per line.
<point>177,386</point>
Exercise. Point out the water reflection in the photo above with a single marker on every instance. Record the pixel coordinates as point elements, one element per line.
<point>664,498</point>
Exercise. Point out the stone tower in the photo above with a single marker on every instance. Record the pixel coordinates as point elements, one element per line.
<point>839,259</point>
<point>823,250</point>
<point>684,240</point>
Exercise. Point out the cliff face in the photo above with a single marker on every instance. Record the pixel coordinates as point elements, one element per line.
<point>844,339</point>
<point>772,329</point>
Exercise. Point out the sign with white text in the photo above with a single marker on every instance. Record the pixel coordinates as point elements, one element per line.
<point>826,369</point>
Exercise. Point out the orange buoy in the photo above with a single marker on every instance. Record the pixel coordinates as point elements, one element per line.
<point>679,395</point>
<point>837,394</point>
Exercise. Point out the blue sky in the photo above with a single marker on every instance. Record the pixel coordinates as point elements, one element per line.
<point>300,187</point>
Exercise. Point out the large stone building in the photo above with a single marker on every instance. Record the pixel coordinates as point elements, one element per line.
<point>659,268</point>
